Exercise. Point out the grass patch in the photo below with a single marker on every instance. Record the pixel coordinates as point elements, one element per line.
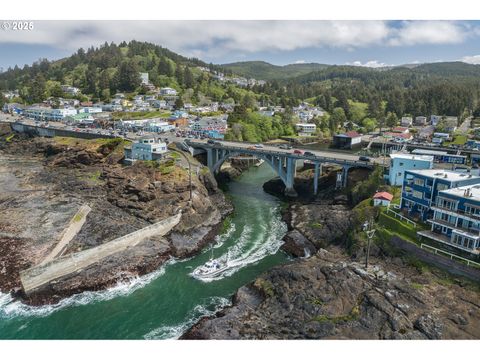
<point>10,138</point>
<point>457,140</point>
<point>354,314</point>
<point>77,217</point>
<point>397,227</point>
<point>417,286</point>
<point>316,226</point>
<point>265,286</point>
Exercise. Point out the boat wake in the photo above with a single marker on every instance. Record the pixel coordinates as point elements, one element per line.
<point>251,247</point>
<point>209,307</point>
<point>10,307</point>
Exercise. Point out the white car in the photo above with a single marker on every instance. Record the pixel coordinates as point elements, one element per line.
<point>259,146</point>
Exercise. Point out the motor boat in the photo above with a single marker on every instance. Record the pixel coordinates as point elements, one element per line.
<point>211,268</point>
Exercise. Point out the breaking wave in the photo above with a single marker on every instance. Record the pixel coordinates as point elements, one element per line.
<point>208,308</point>
<point>251,247</point>
<point>10,307</point>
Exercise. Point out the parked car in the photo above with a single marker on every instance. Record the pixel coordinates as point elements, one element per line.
<point>297,151</point>
<point>364,158</point>
<point>308,153</point>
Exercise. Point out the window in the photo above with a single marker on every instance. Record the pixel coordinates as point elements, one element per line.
<point>419,182</point>
<point>442,187</point>
<point>417,194</point>
<point>401,164</point>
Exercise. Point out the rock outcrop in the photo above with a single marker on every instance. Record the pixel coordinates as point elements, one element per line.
<point>330,297</point>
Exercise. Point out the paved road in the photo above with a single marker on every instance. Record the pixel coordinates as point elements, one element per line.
<point>338,156</point>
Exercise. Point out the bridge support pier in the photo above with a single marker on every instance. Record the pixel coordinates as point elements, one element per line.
<point>290,177</point>
<point>315,177</point>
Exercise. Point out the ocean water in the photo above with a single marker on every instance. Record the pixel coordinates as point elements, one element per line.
<point>165,303</point>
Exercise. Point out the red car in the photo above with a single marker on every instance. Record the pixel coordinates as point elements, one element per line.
<point>296,151</point>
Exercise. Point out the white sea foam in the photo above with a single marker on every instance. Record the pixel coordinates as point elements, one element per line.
<point>208,308</point>
<point>220,239</point>
<point>251,248</point>
<point>13,308</point>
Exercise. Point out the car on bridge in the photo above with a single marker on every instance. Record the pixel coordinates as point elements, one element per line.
<point>258,146</point>
<point>297,151</point>
<point>308,153</point>
<point>211,142</point>
<point>285,147</point>
<point>364,158</point>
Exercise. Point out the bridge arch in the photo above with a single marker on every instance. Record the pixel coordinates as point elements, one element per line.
<point>274,161</point>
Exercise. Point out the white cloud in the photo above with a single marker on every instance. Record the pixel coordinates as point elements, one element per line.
<point>474,59</point>
<point>300,62</point>
<point>370,64</point>
<point>430,32</point>
<point>213,39</point>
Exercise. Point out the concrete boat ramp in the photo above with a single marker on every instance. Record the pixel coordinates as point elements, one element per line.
<point>55,268</point>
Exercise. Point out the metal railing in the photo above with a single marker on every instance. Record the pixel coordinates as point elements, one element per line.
<point>452,256</point>
<point>401,217</point>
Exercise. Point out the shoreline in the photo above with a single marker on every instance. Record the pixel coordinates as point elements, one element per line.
<point>124,199</point>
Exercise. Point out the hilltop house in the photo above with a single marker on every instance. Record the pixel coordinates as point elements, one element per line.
<point>382,198</point>
<point>406,121</point>
<point>145,149</point>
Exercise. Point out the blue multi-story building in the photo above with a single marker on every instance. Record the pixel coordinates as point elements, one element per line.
<point>400,162</point>
<point>456,218</point>
<point>421,187</point>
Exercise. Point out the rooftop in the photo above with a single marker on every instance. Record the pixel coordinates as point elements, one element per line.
<point>383,195</point>
<point>467,192</point>
<point>444,174</point>
<point>411,156</point>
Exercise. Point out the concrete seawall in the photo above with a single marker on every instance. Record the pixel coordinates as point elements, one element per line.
<point>44,273</point>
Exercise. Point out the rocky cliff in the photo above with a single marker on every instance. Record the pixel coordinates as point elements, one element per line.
<point>45,181</point>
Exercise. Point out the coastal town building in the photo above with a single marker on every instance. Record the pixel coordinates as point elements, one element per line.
<point>421,187</point>
<point>456,219</point>
<point>400,162</point>
<point>306,129</point>
<point>48,114</point>
<point>145,149</point>
<point>347,140</point>
<point>382,198</point>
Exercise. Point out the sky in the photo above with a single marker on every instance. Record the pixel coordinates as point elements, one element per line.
<point>363,43</point>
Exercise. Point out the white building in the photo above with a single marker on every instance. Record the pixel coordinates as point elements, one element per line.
<point>420,120</point>
<point>71,90</point>
<point>406,121</point>
<point>305,129</point>
<point>168,91</point>
<point>144,78</point>
<point>399,162</point>
<point>47,114</point>
<point>435,119</point>
<point>145,149</point>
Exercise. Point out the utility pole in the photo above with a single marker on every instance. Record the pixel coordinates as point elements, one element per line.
<point>368,228</point>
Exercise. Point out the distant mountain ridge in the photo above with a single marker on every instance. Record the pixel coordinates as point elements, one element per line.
<point>266,71</point>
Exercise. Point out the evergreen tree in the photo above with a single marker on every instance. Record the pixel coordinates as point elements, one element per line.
<point>128,76</point>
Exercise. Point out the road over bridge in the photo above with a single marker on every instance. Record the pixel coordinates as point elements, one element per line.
<point>282,161</point>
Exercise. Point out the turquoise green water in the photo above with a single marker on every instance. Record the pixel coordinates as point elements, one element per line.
<point>165,303</point>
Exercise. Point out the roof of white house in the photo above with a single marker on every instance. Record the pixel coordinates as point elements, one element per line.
<point>440,174</point>
<point>411,156</point>
<point>429,152</point>
<point>468,192</point>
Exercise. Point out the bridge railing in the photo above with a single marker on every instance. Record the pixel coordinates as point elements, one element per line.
<point>282,153</point>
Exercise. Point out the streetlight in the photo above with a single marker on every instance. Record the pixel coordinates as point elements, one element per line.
<point>189,172</point>
<point>368,228</point>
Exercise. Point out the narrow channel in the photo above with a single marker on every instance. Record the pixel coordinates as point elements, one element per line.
<point>165,303</point>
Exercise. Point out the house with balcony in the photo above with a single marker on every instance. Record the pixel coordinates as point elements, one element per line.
<point>456,219</point>
<point>400,162</point>
<point>421,187</point>
<point>145,149</point>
